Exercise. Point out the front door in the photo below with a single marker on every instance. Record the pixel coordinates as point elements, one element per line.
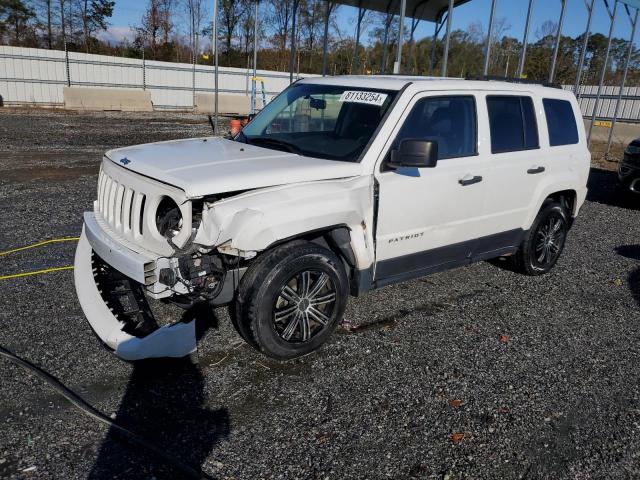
<point>428,217</point>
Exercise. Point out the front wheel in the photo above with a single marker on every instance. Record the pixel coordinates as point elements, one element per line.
<point>290,300</point>
<point>545,240</point>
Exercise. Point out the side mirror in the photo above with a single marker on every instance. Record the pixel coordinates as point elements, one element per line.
<point>415,154</point>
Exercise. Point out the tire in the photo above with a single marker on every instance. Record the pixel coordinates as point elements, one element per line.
<point>291,299</point>
<point>545,240</point>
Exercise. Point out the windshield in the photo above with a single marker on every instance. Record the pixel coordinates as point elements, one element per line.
<point>320,121</point>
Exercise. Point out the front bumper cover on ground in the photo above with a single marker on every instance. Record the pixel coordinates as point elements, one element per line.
<point>176,340</point>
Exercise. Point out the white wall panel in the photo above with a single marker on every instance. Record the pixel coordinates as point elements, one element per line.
<point>37,76</point>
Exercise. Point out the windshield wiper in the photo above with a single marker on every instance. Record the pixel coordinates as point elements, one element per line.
<point>275,142</point>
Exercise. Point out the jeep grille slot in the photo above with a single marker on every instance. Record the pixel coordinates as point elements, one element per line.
<point>127,209</point>
<point>121,207</point>
<point>144,198</point>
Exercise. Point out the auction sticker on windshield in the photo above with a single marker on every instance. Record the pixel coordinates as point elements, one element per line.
<point>370,98</point>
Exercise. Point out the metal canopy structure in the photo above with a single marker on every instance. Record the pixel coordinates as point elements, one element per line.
<point>440,12</point>
<point>428,10</point>
<point>437,11</point>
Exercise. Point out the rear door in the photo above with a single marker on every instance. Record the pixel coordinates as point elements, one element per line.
<point>517,165</point>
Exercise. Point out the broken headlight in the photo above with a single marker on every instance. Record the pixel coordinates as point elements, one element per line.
<point>168,218</point>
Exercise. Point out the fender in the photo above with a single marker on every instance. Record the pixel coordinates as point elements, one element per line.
<point>550,186</point>
<point>253,221</point>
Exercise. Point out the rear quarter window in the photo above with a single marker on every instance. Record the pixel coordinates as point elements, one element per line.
<point>561,122</point>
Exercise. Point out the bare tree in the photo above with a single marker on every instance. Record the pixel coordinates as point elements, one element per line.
<point>547,30</point>
<point>312,13</point>
<point>279,20</point>
<point>231,11</point>
<point>45,11</point>
<point>196,14</point>
<point>156,26</point>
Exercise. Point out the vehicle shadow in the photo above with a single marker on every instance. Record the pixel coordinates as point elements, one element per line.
<point>602,185</point>
<point>634,284</point>
<point>164,403</point>
<point>629,251</point>
<point>632,252</point>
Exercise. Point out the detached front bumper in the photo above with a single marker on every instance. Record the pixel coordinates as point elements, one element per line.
<point>175,340</point>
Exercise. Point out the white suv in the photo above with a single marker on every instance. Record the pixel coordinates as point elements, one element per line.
<point>339,186</point>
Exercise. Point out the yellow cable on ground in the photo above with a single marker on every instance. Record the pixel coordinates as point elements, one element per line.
<point>36,272</point>
<point>39,244</point>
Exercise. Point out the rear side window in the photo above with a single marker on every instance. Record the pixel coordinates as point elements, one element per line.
<point>561,122</point>
<point>450,121</point>
<point>512,121</point>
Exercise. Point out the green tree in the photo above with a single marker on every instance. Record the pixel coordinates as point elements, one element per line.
<point>94,15</point>
<point>14,19</point>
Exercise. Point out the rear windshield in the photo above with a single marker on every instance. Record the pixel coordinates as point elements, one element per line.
<point>322,121</point>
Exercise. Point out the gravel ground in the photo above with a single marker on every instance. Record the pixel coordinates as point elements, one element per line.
<point>473,373</point>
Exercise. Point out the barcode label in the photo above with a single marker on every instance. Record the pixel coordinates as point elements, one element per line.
<point>370,98</point>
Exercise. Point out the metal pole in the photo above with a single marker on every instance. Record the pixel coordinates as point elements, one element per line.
<point>194,53</point>
<point>66,61</point>
<point>325,44</point>
<point>254,85</point>
<point>292,56</point>
<point>487,52</point>
<point>403,9</point>
<point>634,23</point>
<point>64,41</point>
<point>583,52</point>
<point>385,41</point>
<point>414,25</point>
<point>355,59</point>
<point>214,35</point>
<point>445,56</point>
<point>556,48</point>
<point>432,63</point>
<point>246,76</point>
<point>525,40</point>
<point>612,17</point>
<point>144,70</point>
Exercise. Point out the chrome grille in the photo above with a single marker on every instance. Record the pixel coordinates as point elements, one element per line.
<point>121,207</point>
<point>125,208</point>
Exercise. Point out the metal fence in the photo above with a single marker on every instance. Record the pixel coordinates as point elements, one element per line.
<point>30,76</point>
<point>629,103</point>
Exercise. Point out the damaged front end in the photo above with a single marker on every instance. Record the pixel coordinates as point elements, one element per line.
<point>132,250</point>
<point>148,240</point>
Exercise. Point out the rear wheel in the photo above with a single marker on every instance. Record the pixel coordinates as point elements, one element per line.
<point>545,240</point>
<point>290,300</point>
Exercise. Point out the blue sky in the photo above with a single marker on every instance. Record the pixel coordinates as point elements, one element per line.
<point>129,12</point>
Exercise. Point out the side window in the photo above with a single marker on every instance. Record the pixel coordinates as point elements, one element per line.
<point>450,121</point>
<point>512,121</point>
<point>561,122</point>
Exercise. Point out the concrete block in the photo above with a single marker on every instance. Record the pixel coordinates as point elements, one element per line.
<point>125,100</point>
<point>228,103</point>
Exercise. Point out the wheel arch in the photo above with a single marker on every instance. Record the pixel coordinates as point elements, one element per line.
<point>567,198</point>
<point>566,195</point>
<point>336,238</point>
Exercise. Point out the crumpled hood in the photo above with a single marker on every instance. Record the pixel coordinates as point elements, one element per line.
<point>206,166</point>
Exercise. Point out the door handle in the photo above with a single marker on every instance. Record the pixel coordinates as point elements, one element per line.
<point>534,170</point>
<point>469,180</point>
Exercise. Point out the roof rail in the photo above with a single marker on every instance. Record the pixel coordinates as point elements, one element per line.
<point>513,80</point>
